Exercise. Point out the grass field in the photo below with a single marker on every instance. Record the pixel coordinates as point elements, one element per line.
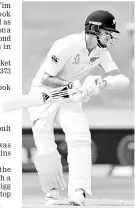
<point>108,192</point>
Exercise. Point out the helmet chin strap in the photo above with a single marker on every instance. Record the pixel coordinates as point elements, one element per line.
<point>109,45</point>
<point>100,44</point>
<point>90,32</point>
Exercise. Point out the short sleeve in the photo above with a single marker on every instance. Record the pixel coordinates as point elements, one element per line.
<point>107,63</point>
<point>55,59</point>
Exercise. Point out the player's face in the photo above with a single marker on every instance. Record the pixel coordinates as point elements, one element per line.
<point>106,38</point>
<point>91,41</point>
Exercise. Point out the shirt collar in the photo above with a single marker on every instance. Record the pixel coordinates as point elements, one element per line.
<point>83,42</point>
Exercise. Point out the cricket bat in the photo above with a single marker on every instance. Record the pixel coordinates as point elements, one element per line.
<point>39,98</point>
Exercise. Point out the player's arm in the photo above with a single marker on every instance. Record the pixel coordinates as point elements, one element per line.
<point>113,79</point>
<point>53,64</point>
<point>116,81</point>
<point>54,81</point>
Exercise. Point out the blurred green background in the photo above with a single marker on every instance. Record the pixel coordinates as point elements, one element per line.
<point>45,22</point>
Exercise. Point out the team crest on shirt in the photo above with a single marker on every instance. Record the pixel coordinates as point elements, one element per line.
<point>94,58</point>
<point>54,59</point>
<point>76,59</point>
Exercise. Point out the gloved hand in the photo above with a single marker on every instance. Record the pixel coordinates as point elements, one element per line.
<point>79,96</point>
<point>84,97</point>
<point>92,85</point>
<point>76,96</point>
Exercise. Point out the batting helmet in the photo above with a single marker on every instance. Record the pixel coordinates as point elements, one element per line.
<point>100,20</point>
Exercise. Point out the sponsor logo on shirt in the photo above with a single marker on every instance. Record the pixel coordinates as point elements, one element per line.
<point>76,59</point>
<point>54,59</point>
<point>92,59</point>
<point>35,121</point>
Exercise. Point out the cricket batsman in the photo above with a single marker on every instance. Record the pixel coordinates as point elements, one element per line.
<point>70,62</point>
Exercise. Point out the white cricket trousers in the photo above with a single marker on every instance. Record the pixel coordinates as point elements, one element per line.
<point>72,120</point>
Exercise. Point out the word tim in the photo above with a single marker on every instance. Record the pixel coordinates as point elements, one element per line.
<point>5,6</point>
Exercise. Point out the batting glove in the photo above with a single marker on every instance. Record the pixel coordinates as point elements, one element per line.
<point>91,85</point>
<point>76,96</point>
<point>79,96</point>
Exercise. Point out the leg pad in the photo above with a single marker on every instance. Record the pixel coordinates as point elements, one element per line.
<point>50,171</point>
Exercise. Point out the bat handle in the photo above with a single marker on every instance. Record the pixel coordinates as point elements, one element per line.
<point>76,94</point>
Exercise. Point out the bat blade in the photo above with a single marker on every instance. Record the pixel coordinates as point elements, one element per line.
<point>23,101</point>
<point>37,98</point>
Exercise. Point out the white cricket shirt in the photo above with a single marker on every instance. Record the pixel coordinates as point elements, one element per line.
<point>69,59</point>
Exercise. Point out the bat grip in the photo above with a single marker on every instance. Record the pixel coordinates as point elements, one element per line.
<point>75,90</point>
<point>76,94</point>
